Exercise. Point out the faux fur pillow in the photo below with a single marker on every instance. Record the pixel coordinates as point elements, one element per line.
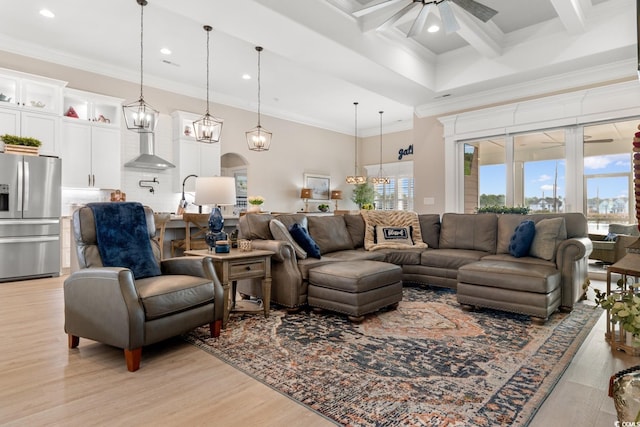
<point>391,218</point>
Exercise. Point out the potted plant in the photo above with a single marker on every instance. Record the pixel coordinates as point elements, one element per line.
<point>20,144</point>
<point>256,203</point>
<point>323,207</point>
<point>624,308</point>
<point>363,195</point>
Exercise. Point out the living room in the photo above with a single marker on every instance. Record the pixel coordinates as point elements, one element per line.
<point>588,94</point>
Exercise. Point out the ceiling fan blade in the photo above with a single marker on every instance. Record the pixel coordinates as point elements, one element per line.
<point>480,11</point>
<point>370,9</point>
<point>389,22</point>
<point>449,20</point>
<point>418,24</point>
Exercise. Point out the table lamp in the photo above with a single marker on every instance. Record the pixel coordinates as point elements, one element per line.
<point>305,194</point>
<point>336,195</point>
<point>216,191</point>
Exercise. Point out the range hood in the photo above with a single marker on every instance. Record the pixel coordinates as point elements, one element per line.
<point>147,158</point>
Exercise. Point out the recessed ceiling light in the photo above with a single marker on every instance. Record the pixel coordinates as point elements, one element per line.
<point>47,13</point>
<point>433,29</point>
<point>246,77</point>
<point>165,51</point>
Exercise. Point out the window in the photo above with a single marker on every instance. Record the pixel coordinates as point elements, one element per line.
<point>484,174</point>
<point>398,194</point>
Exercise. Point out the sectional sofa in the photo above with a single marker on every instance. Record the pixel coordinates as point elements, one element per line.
<point>466,252</point>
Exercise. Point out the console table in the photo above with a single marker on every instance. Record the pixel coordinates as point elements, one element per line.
<point>236,265</point>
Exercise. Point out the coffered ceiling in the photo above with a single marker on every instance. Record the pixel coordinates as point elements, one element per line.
<point>322,55</point>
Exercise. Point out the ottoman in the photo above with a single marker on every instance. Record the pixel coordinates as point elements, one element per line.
<point>517,287</point>
<point>355,288</point>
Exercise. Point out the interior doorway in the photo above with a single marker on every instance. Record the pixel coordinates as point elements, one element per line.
<point>236,166</point>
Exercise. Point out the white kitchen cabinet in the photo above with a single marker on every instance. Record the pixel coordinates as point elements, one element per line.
<point>30,106</point>
<point>191,156</point>
<point>91,141</point>
<point>90,155</point>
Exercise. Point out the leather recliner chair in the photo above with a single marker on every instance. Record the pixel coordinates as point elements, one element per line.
<point>106,304</point>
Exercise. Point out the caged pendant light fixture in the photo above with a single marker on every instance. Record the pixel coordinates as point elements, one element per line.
<point>208,128</point>
<point>139,116</point>
<point>355,178</point>
<point>380,179</point>
<point>258,139</point>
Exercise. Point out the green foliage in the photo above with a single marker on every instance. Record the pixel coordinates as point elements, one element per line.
<point>20,140</point>
<point>623,305</point>
<point>323,207</point>
<point>363,194</point>
<point>492,199</point>
<point>521,210</point>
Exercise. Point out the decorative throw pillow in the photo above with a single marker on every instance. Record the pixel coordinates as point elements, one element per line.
<point>522,238</point>
<point>280,232</point>
<point>611,237</point>
<point>391,234</point>
<point>549,233</point>
<point>302,237</point>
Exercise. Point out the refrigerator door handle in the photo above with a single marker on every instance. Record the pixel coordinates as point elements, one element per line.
<point>20,180</point>
<point>33,239</point>
<point>26,186</point>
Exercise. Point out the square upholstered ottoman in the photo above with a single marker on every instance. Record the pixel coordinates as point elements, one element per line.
<point>355,288</point>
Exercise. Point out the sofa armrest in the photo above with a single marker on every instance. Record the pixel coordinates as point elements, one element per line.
<point>283,251</point>
<point>102,304</point>
<point>623,241</point>
<point>572,259</point>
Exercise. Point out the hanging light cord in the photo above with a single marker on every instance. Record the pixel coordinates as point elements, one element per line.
<point>259,49</point>
<point>380,171</point>
<point>355,167</point>
<point>208,30</point>
<point>142,3</point>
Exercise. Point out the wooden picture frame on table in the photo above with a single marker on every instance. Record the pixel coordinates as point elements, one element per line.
<point>320,186</point>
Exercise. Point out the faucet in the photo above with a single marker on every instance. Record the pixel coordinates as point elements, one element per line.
<point>150,187</point>
<point>183,201</point>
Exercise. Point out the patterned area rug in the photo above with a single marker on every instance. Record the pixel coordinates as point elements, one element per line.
<point>427,363</point>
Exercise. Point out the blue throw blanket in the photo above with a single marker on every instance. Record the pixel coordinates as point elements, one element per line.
<point>123,238</point>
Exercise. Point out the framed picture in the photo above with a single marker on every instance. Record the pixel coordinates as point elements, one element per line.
<point>319,185</point>
<point>241,184</point>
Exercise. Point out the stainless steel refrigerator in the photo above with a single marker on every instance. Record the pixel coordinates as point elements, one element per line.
<point>30,198</point>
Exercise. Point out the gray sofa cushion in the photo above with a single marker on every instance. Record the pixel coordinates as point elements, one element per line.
<point>430,227</point>
<point>255,226</point>
<point>330,233</point>
<point>469,231</point>
<point>549,233</point>
<point>355,226</point>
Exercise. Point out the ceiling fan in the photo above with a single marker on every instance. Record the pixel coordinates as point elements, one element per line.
<point>449,21</point>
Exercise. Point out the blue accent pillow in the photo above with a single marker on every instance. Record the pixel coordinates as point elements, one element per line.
<point>611,237</point>
<point>302,237</point>
<point>522,238</point>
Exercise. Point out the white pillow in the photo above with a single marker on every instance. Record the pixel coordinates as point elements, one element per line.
<point>280,232</point>
<point>394,234</point>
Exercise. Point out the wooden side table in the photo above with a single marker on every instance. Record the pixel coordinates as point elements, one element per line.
<point>237,265</point>
<point>615,334</point>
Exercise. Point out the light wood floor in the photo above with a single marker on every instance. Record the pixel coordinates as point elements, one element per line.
<point>42,382</point>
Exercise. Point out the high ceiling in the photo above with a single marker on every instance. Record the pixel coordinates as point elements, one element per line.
<point>319,58</point>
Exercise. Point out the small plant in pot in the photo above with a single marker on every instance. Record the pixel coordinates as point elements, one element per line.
<point>20,140</point>
<point>323,207</point>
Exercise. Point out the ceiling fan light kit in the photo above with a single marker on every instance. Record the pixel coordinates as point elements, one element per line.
<point>446,12</point>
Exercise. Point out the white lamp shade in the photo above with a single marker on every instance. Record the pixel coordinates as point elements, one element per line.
<point>215,190</point>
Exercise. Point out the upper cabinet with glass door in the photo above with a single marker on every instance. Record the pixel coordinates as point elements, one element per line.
<point>30,92</point>
<point>91,107</point>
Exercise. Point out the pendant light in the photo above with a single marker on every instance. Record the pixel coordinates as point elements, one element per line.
<point>258,138</point>
<point>139,116</point>
<point>355,178</point>
<point>381,179</point>
<point>207,127</point>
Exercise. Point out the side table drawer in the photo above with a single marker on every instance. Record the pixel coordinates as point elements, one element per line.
<point>247,269</point>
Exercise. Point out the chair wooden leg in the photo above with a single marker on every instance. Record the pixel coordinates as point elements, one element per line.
<point>74,341</point>
<point>215,328</point>
<point>133,358</point>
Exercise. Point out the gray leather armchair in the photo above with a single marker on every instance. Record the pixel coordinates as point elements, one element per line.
<point>106,304</point>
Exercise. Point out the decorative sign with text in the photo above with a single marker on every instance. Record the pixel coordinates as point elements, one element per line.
<point>406,152</point>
